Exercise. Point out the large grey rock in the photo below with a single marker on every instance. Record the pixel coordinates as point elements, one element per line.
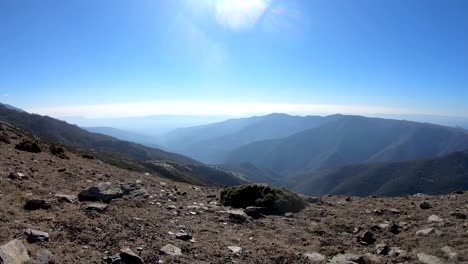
<point>347,258</point>
<point>127,256</point>
<point>171,250</point>
<point>36,236</point>
<point>14,252</point>
<point>103,191</point>
<point>429,259</point>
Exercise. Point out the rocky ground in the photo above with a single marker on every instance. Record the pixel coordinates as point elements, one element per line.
<point>149,218</point>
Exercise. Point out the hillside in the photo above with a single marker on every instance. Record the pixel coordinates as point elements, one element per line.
<point>121,153</point>
<point>211,143</point>
<point>433,176</point>
<point>348,140</point>
<point>156,220</point>
<point>125,135</point>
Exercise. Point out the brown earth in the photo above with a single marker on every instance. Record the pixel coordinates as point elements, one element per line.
<point>146,225</point>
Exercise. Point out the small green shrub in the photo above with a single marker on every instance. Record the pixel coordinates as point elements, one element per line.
<point>275,200</point>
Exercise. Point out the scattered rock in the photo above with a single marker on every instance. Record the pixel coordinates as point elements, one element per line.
<point>435,219</point>
<point>425,205</point>
<point>459,215</point>
<point>127,256</point>
<point>134,191</point>
<point>66,198</point>
<point>451,253</point>
<point>35,204</point>
<point>428,231</point>
<point>29,146</point>
<point>237,216</point>
<point>367,238</point>
<point>255,212</point>
<point>171,250</point>
<point>36,236</point>
<point>315,257</point>
<point>312,199</point>
<point>429,259</point>
<point>87,156</point>
<point>17,176</point>
<point>347,258</point>
<point>395,229</point>
<point>62,170</point>
<point>235,249</point>
<point>14,252</point>
<point>183,236</point>
<point>382,249</point>
<point>171,207</point>
<point>288,214</point>
<point>96,207</point>
<point>394,211</point>
<point>397,252</point>
<point>114,259</point>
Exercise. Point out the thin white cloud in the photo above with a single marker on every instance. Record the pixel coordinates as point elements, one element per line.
<point>240,14</point>
<point>212,108</point>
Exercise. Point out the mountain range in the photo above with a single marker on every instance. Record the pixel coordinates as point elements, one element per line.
<point>339,154</point>
<point>349,140</point>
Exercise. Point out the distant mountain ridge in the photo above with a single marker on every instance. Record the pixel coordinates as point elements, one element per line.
<point>149,141</point>
<point>432,176</point>
<point>349,140</point>
<point>212,143</point>
<point>114,151</point>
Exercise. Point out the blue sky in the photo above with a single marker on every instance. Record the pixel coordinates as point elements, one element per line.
<point>132,58</point>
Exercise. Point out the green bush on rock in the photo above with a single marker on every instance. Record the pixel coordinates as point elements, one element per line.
<point>275,200</point>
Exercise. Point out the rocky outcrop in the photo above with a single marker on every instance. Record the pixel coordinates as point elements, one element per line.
<point>103,192</point>
<point>106,192</point>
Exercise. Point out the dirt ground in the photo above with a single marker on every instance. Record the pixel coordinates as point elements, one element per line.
<point>329,228</point>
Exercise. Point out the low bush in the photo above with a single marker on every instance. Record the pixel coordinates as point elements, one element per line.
<point>275,200</point>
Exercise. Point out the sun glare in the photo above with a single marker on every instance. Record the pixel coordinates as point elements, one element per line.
<point>238,14</point>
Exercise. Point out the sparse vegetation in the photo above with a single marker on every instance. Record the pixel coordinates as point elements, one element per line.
<point>275,200</point>
<point>29,146</point>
